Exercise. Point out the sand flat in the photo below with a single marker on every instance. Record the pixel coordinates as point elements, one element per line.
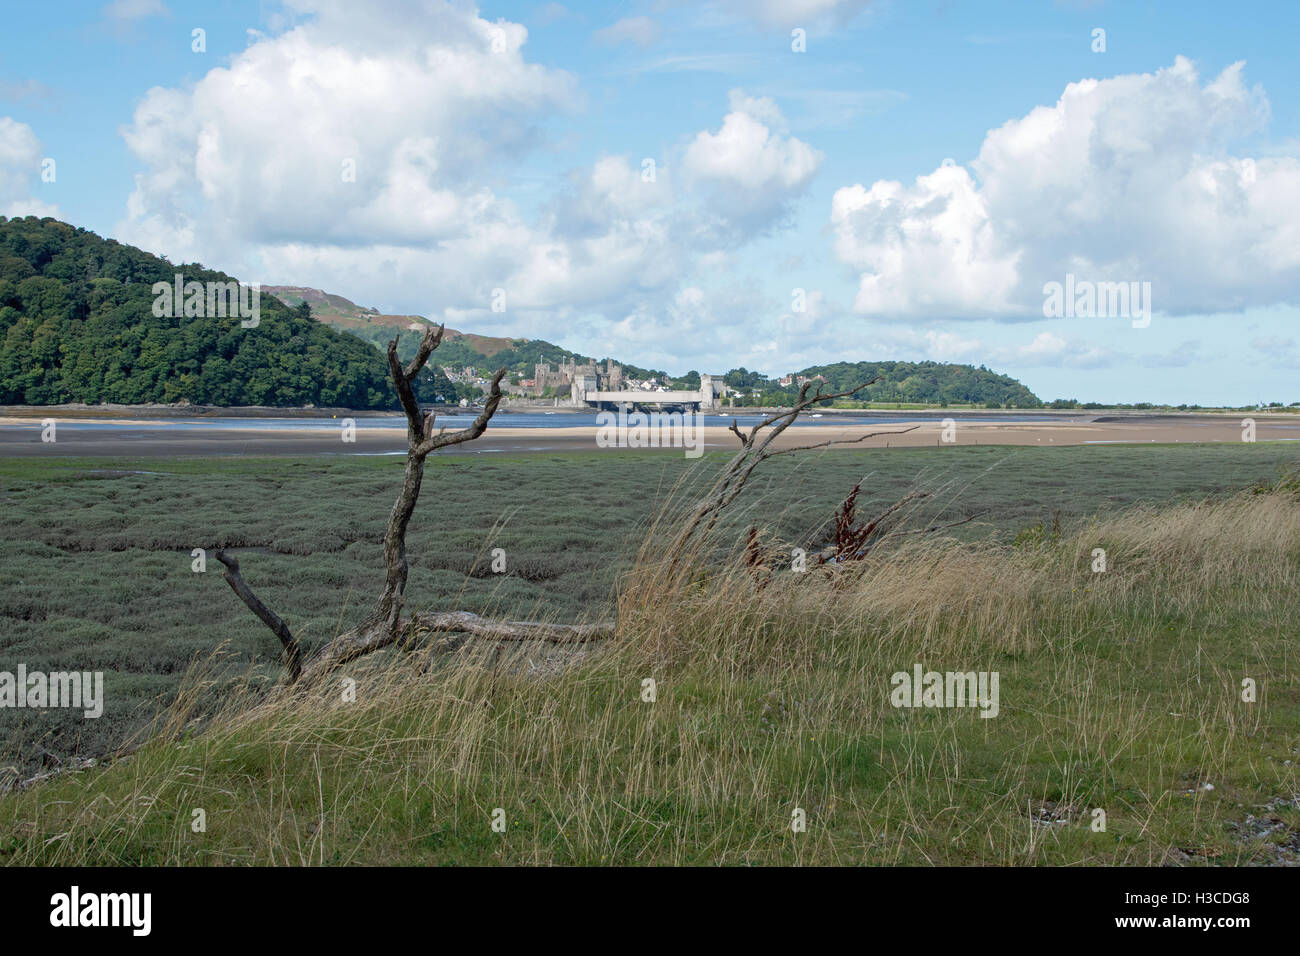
<point>21,437</point>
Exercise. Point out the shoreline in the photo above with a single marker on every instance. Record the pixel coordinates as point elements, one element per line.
<point>21,437</point>
<point>143,413</point>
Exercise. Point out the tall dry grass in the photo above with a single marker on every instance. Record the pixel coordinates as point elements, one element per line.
<point>1120,691</point>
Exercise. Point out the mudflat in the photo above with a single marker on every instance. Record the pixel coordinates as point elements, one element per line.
<point>78,436</point>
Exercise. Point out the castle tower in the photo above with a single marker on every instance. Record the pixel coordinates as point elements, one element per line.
<point>709,391</point>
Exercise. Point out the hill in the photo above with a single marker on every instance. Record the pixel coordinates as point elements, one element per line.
<point>378,328</point>
<point>458,348</point>
<point>936,383</point>
<point>933,383</point>
<point>923,383</point>
<point>80,322</point>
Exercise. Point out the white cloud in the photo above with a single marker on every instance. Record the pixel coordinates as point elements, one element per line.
<point>696,322</point>
<point>437,125</point>
<point>1124,179</point>
<point>929,249</point>
<point>1184,354</point>
<point>641,31</point>
<point>433,120</point>
<point>613,190</point>
<point>20,167</point>
<point>749,172</point>
<point>1277,350</point>
<point>416,105</point>
<point>29,88</point>
<point>1047,349</point>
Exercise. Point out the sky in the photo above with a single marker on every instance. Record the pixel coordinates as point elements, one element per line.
<point>762,183</point>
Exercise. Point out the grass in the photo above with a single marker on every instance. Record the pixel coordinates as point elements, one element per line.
<point>1120,691</point>
<point>96,555</point>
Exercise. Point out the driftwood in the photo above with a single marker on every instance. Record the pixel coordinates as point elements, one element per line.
<point>384,625</point>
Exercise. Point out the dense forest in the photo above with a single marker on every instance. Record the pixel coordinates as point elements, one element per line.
<point>931,383</point>
<point>936,383</point>
<point>77,324</point>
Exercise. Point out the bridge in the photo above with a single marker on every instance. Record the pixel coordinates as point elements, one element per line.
<point>705,397</point>
<point>697,399</point>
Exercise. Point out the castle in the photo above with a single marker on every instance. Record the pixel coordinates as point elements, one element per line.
<point>567,373</point>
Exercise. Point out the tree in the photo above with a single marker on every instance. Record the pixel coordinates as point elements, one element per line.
<point>384,626</point>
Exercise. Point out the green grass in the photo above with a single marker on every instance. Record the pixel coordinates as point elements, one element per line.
<point>98,572</point>
<point>1119,692</point>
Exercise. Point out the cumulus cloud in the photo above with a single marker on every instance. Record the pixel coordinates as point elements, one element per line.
<point>641,31</point>
<point>1123,179</point>
<point>614,191</point>
<point>750,172</point>
<point>928,249</point>
<point>348,131</point>
<point>761,108</point>
<point>373,160</point>
<point>698,322</point>
<point>20,167</point>
<point>1044,350</point>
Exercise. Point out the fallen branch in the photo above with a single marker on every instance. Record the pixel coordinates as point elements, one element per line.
<point>292,652</point>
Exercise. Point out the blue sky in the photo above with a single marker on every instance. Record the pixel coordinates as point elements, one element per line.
<point>914,177</point>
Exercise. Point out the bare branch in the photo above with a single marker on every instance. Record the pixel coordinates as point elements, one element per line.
<point>383,625</point>
<point>292,653</point>
<point>753,452</point>
<point>431,340</point>
<point>405,394</point>
<point>476,428</point>
<point>853,542</point>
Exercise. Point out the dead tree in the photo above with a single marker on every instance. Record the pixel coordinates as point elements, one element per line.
<point>755,448</point>
<point>383,626</point>
<point>851,541</point>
